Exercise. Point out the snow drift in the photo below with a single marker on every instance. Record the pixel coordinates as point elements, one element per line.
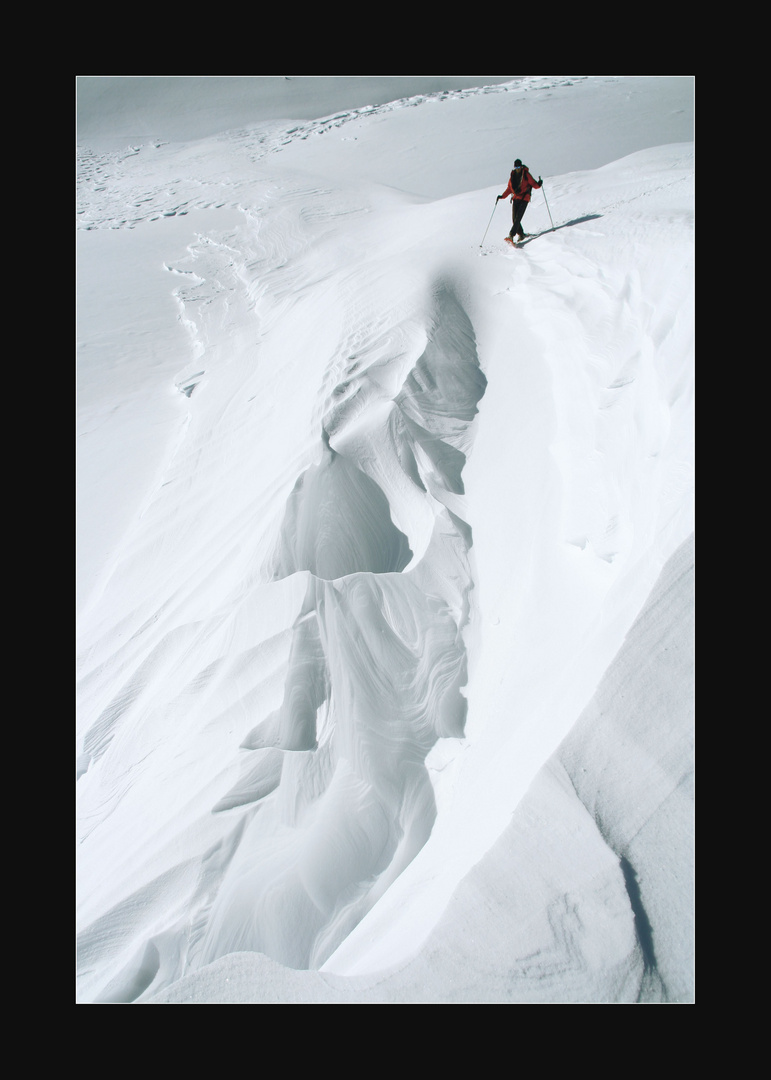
<point>371,519</point>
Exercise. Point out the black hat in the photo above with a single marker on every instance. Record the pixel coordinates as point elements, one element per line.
<point>517,164</point>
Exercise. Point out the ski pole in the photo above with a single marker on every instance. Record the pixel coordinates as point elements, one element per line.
<point>489,223</point>
<point>551,219</point>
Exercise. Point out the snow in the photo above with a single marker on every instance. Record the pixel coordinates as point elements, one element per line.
<point>385,541</point>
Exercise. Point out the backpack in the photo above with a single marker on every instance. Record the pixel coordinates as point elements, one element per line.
<point>518,184</point>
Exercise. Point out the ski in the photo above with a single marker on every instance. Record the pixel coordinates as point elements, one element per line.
<point>526,238</point>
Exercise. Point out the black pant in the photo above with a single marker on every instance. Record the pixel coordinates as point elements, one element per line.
<point>518,207</point>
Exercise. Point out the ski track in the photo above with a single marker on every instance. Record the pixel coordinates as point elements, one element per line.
<point>108,196</point>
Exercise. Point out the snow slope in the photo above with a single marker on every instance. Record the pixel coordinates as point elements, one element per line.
<point>384,555</point>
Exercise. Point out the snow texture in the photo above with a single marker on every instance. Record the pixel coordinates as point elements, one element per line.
<point>385,541</point>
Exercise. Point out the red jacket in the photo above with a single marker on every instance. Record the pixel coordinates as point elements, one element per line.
<point>524,193</point>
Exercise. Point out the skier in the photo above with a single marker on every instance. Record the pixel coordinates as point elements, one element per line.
<point>520,185</point>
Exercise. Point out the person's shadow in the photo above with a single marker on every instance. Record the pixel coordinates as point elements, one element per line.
<point>565,225</point>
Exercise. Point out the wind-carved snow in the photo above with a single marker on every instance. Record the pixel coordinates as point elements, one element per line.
<point>333,798</point>
<point>374,678</point>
